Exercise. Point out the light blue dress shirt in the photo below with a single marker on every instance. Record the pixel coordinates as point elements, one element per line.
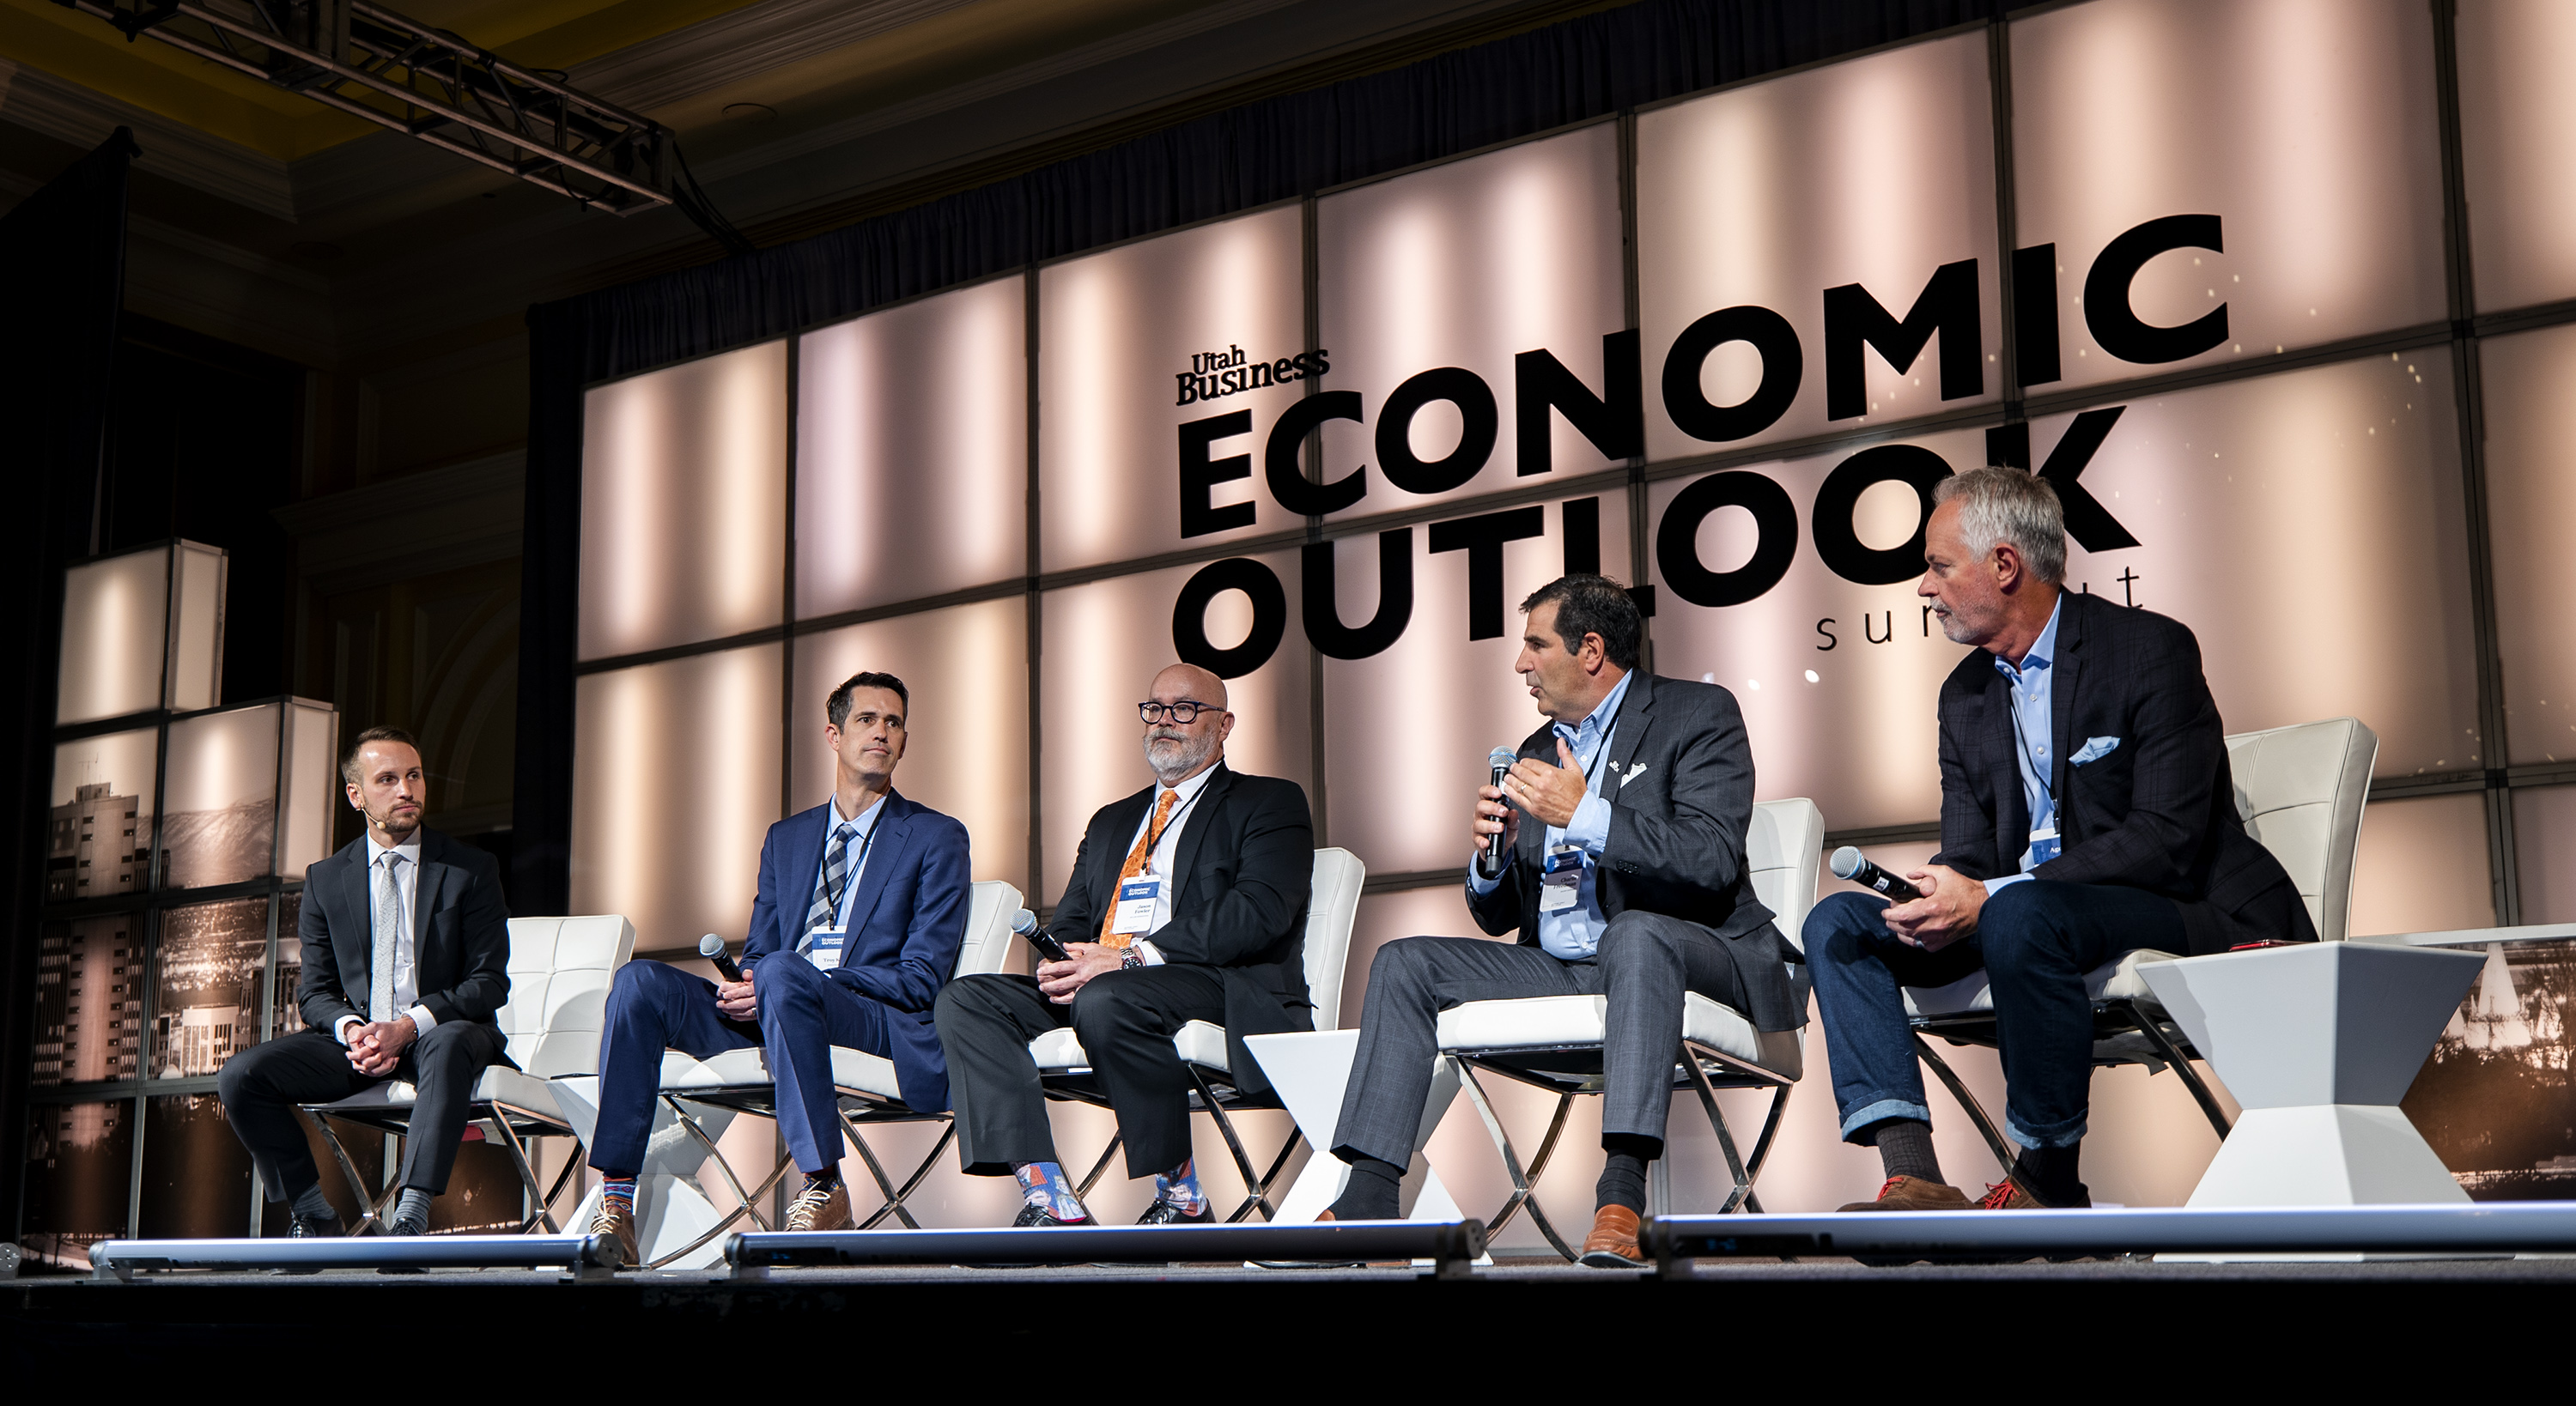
<point>862,828</point>
<point>2033,723</point>
<point>1574,934</point>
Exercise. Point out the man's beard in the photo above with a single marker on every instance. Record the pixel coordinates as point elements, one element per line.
<point>1174,755</point>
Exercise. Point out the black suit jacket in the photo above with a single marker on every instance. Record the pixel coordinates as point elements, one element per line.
<point>1242,874</point>
<point>460,929</point>
<point>2156,812</point>
<point>1680,786</point>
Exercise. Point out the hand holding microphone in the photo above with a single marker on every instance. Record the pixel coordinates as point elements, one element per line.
<point>712,948</point>
<point>1493,809</point>
<point>1850,864</point>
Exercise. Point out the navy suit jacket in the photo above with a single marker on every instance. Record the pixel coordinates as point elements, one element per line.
<point>906,923</point>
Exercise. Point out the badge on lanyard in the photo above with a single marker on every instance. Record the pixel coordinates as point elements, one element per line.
<point>1136,901</point>
<point>1562,879</point>
<point>828,944</point>
<point>2043,845</point>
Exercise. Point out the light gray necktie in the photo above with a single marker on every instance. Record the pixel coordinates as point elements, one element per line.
<point>380,971</point>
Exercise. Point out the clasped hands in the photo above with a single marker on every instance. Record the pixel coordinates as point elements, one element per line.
<point>1946,912</point>
<point>1059,981</point>
<point>376,1047</point>
<point>1549,792</point>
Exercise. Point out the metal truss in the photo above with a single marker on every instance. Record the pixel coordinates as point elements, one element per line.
<point>429,85</point>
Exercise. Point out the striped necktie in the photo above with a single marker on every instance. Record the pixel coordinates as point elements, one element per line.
<point>826,908</point>
<point>1137,859</point>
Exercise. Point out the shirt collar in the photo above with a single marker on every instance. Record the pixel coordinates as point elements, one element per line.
<point>834,801</point>
<point>408,849</point>
<point>1189,790</point>
<point>1602,715</point>
<point>2042,650</point>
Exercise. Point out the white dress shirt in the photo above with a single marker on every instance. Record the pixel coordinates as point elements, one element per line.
<point>1160,862</point>
<point>406,947</point>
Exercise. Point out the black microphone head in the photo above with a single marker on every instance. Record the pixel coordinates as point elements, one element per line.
<point>711,946</point>
<point>1847,861</point>
<point>1502,758</point>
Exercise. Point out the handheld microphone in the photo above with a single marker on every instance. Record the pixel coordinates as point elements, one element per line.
<point>1024,922</point>
<point>1849,863</point>
<point>712,948</point>
<point>1499,761</point>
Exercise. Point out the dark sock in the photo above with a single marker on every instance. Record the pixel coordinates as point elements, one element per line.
<point>1623,1172</point>
<point>1373,1192</point>
<point>824,1180</point>
<point>1905,1148</point>
<point>311,1204</point>
<point>2049,1173</point>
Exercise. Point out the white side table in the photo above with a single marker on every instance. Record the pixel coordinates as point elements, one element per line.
<point>1310,1069</point>
<point>2318,1043</point>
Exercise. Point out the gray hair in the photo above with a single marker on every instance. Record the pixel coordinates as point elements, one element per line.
<point>2010,505</point>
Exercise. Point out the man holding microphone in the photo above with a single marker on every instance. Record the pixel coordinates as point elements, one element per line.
<point>862,906</point>
<point>1624,876</point>
<point>2086,811</point>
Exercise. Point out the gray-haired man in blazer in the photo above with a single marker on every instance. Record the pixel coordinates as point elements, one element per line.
<point>1631,884</point>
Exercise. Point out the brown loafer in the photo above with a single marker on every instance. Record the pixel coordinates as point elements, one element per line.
<point>615,1221</point>
<point>1915,1194</point>
<point>1613,1241</point>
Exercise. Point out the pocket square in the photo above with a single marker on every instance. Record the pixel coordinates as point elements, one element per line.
<point>2093,750</point>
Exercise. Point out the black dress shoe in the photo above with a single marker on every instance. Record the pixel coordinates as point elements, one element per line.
<point>1163,1212</point>
<point>314,1227</point>
<point>1035,1214</point>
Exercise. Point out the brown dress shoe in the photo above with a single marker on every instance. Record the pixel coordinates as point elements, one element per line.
<point>2005,1196</point>
<point>615,1221</point>
<point>1613,1241</point>
<point>1914,1194</point>
<point>817,1209</point>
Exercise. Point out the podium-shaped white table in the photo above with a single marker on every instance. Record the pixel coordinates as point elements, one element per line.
<point>2317,1043</point>
<point>1310,1069</point>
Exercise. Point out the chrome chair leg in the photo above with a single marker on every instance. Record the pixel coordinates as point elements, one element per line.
<point>689,1121</point>
<point>1995,1140</point>
<point>720,1227</point>
<point>1522,1184</point>
<point>371,1206</point>
<point>1743,1189</point>
<point>876,1170</point>
<point>1082,1189</point>
<point>2181,1062</point>
<point>500,1121</point>
<point>554,1193</point>
<point>894,1205</point>
<point>1242,1163</point>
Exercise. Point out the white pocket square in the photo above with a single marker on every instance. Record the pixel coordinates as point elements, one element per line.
<point>2094,749</point>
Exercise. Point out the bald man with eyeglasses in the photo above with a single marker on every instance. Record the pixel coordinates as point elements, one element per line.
<point>1187,902</point>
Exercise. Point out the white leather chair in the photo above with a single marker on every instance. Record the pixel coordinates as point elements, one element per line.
<point>2300,790</point>
<point>739,1080</point>
<point>560,971</point>
<point>1554,1042</point>
<point>1331,910</point>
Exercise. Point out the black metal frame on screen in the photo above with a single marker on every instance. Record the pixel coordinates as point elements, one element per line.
<point>2460,333</point>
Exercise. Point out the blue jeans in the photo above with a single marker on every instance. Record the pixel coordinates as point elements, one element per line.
<point>803,1014</point>
<point>2035,940</point>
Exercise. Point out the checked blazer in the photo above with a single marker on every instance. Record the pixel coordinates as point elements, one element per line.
<point>2156,812</point>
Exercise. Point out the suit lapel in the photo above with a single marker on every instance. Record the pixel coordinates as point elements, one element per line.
<point>424,901</point>
<point>2064,671</point>
<point>2003,762</point>
<point>1111,856</point>
<point>1195,832</point>
<point>894,823</point>
<point>362,902</point>
<point>1635,720</point>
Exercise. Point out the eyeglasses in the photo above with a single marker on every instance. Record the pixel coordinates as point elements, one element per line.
<point>1184,712</point>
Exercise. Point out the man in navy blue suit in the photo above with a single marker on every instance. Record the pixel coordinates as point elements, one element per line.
<point>861,910</point>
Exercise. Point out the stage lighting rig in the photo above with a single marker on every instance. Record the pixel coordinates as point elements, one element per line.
<point>439,88</point>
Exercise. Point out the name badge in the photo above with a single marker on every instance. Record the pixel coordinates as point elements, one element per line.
<point>1562,880</point>
<point>1136,900</point>
<point>829,943</point>
<point>2043,846</point>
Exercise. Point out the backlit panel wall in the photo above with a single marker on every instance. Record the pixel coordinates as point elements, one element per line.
<point>2531,520</point>
<point>1139,341</point>
<point>966,747</point>
<point>2517,122</point>
<point>1753,203</point>
<point>1411,265</point>
<point>684,475</point>
<point>2306,127</point>
<point>912,450</point>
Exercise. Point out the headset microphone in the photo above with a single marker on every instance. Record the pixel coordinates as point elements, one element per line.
<point>1849,863</point>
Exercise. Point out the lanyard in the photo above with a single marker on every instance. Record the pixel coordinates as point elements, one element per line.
<point>2021,741</point>
<point>857,861</point>
<point>1154,833</point>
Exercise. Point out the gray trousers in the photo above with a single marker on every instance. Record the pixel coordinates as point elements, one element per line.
<point>1645,962</point>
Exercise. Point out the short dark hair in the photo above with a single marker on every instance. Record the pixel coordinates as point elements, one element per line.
<point>838,709</point>
<point>349,762</point>
<point>1593,605</point>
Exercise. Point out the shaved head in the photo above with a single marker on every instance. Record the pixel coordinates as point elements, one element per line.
<point>1181,681</point>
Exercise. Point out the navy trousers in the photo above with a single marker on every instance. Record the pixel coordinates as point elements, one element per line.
<point>803,1014</point>
<point>2035,940</point>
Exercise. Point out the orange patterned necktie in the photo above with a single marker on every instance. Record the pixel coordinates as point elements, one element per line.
<point>1134,866</point>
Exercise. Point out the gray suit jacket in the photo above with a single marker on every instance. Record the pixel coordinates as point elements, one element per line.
<point>1680,786</point>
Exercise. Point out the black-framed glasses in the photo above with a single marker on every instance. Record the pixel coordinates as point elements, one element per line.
<point>1184,712</point>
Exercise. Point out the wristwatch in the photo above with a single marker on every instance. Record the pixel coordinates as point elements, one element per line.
<point>1129,957</point>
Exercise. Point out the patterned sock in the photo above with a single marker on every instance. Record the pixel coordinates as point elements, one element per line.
<point>1045,1184</point>
<point>618,1189</point>
<point>311,1204</point>
<point>823,1180</point>
<point>1905,1148</point>
<point>411,1213</point>
<point>1180,1187</point>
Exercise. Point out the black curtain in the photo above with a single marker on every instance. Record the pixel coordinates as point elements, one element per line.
<point>1252,155</point>
<point>63,249</point>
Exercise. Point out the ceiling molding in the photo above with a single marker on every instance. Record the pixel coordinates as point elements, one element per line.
<point>461,515</point>
<point>81,117</point>
<point>744,44</point>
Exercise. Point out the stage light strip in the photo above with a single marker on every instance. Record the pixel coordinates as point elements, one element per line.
<point>1450,1245</point>
<point>585,1257</point>
<point>2483,1229</point>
